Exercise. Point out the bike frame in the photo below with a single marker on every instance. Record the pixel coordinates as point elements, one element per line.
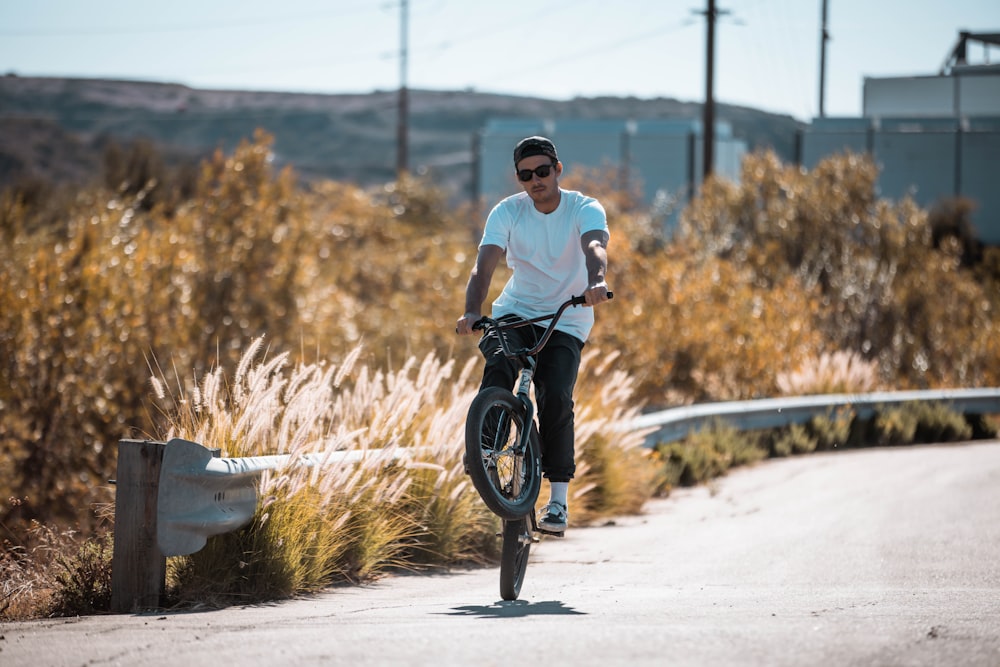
<point>525,358</point>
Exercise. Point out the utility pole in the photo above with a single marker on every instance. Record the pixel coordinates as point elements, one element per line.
<point>708,109</point>
<point>402,121</point>
<point>824,36</point>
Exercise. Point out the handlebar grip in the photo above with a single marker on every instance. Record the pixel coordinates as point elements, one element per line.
<point>580,300</point>
<point>479,324</point>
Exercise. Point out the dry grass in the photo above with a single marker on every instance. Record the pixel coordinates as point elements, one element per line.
<point>837,373</point>
<point>321,523</point>
<point>60,575</point>
<point>408,503</point>
<point>614,475</point>
<point>27,581</point>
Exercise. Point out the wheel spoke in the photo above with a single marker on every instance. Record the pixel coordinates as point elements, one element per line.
<point>507,476</point>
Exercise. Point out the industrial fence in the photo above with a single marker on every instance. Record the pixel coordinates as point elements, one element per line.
<point>932,160</point>
<point>657,158</point>
<point>929,159</point>
<point>171,497</point>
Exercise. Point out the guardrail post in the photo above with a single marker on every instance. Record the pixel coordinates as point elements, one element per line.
<point>138,568</point>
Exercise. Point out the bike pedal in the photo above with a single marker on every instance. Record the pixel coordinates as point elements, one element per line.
<point>552,533</point>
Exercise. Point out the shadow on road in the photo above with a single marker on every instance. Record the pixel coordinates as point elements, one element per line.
<point>516,609</point>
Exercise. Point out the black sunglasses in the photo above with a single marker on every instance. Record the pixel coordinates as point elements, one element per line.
<point>525,175</point>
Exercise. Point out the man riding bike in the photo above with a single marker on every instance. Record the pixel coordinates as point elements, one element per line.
<point>555,242</point>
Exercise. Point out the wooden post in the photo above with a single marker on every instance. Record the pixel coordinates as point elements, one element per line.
<point>138,569</point>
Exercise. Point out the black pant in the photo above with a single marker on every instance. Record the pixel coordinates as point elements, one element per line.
<point>555,378</point>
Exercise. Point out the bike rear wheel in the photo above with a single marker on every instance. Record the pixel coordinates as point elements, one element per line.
<point>506,478</point>
<point>514,557</point>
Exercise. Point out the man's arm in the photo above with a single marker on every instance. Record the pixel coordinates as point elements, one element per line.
<point>479,286</point>
<point>595,250</point>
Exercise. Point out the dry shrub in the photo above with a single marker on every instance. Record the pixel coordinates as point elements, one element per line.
<point>112,280</point>
<point>115,280</point>
<point>951,218</point>
<point>705,454</point>
<point>387,268</point>
<point>614,475</point>
<point>83,578</point>
<point>792,439</point>
<point>832,430</point>
<point>695,329</point>
<point>62,574</point>
<point>27,578</point>
<point>761,278</point>
<point>764,275</point>
<point>918,422</point>
<point>884,290</point>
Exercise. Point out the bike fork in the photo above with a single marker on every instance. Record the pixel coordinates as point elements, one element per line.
<point>523,389</point>
<point>524,449</point>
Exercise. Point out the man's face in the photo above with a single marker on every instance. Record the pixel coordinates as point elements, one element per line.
<point>542,190</point>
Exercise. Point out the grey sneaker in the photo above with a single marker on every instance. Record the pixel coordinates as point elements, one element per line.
<point>553,518</point>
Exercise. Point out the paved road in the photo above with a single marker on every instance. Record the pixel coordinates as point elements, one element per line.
<point>871,557</point>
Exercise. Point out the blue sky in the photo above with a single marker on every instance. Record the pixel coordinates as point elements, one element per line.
<point>767,51</point>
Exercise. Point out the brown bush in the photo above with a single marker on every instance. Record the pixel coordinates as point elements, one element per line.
<point>762,276</point>
<point>883,289</point>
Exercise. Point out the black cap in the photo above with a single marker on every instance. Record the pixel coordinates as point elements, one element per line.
<point>534,146</point>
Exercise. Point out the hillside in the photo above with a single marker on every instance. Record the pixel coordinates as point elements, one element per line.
<point>56,129</point>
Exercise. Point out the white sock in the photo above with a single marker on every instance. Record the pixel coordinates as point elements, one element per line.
<point>558,492</point>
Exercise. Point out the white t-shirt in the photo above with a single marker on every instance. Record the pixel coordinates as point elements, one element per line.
<point>546,256</point>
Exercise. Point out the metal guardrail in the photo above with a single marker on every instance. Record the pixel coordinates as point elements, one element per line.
<point>675,423</point>
<point>171,497</point>
<point>201,494</point>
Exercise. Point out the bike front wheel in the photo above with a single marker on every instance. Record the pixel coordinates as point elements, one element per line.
<point>507,477</point>
<point>514,557</point>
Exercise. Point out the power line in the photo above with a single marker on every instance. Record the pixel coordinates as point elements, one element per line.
<point>607,47</point>
<point>494,30</point>
<point>146,29</point>
<point>312,63</point>
<point>147,115</point>
<point>425,50</point>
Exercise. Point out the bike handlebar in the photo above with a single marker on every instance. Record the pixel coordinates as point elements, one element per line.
<point>485,322</point>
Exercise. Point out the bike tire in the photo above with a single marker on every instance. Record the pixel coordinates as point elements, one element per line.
<point>514,556</point>
<point>507,483</point>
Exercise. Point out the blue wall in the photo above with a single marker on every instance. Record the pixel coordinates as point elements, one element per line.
<point>927,159</point>
<point>658,158</point>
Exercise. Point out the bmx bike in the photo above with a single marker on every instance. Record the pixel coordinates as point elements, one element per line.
<point>502,449</point>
